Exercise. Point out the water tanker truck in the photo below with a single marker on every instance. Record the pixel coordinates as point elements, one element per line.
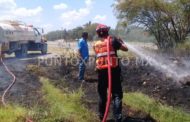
<point>19,38</point>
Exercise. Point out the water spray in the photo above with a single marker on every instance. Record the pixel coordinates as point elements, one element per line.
<point>177,73</point>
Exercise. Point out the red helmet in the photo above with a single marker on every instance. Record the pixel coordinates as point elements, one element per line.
<point>102,27</point>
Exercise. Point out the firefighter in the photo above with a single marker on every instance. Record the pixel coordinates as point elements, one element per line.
<point>100,48</point>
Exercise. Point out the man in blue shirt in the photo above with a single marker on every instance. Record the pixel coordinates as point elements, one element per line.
<point>83,55</point>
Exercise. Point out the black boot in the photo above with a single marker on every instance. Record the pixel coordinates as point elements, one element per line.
<point>117,109</point>
<point>102,107</point>
<point>118,120</point>
<point>101,117</point>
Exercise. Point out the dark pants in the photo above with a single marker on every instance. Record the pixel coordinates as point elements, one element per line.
<point>117,93</point>
<point>82,68</point>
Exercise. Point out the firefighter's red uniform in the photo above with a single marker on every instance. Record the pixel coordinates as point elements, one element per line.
<point>100,49</point>
<point>101,54</point>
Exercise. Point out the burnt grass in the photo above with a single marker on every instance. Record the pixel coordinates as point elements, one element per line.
<point>26,90</point>
<point>135,78</point>
<point>149,81</point>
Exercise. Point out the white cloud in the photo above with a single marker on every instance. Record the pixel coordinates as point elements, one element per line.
<point>60,6</point>
<point>100,18</point>
<point>71,17</point>
<point>47,27</point>
<point>75,14</point>
<point>89,3</point>
<point>10,10</point>
<point>24,12</point>
<point>7,4</point>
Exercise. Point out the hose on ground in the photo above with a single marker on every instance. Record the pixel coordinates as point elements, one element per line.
<point>9,87</point>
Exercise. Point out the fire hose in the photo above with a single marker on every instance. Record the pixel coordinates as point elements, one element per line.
<point>109,82</point>
<point>9,87</point>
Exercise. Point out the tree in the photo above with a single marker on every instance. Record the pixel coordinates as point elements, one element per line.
<point>167,20</point>
<point>121,29</point>
<point>75,33</point>
<point>91,29</point>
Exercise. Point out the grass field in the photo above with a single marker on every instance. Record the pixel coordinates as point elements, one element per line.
<point>159,112</point>
<point>68,107</point>
<point>64,106</point>
<point>12,114</point>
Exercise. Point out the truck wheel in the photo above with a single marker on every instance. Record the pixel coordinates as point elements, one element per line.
<point>23,52</point>
<point>44,49</point>
<point>18,54</point>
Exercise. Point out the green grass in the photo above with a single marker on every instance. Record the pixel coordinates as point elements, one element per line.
<point>159,112</point>
<point>64,106</point>
<point>184,46</point>
<point>68,107</point>
<point>12,114</point>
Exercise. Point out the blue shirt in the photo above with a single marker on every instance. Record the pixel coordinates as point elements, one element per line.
<point>83,48</point>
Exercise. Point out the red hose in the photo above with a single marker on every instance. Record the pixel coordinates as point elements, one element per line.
<point>109,82</point>
<point>9,87</point>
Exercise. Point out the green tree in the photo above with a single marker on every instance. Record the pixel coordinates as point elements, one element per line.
<point>167,20</point>
<point>74,33</point>
<point>91,29</point>
<point>121,29</point>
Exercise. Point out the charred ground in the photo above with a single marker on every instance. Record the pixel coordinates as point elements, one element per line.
<point>136,78</point>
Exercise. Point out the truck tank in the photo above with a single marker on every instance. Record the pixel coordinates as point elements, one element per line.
<point>11,31</point>
<point>18,37</point>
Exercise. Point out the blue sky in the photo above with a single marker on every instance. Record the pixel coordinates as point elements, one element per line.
<point>58,14</point>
